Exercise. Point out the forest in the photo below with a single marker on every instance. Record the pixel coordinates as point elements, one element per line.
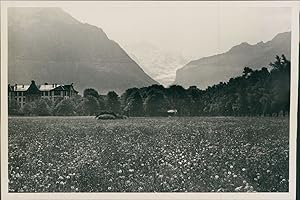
<point>260,92</point>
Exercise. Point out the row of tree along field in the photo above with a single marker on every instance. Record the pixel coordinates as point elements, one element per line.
<point>255,93</point>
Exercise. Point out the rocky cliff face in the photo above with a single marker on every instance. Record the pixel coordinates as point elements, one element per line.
<point>49,45</point>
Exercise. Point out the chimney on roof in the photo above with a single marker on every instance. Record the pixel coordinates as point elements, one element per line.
<point>46,83</point>
<point>23,86</point>
<point>55,84</point>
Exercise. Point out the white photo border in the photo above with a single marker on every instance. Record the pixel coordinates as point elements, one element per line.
<point>5,195</point>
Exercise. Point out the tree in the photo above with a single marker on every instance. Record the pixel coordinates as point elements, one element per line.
<point>113,103</point>
<point>13,107</point>
<point>29,108</point>
<point>266,104</point>
<point>156,103</point>
<point>134,106</point>
<point>42,108</point>
<point>101,103</point>
<point>81,108</point>
<point>241,104</point>
<point>129,92</point>
<point>280,85</point>
<point>88,106</point>
<point>145,90</point>
<point>247,71</point>
<point>57,101</point>
<point>64,108</point>
<point>195,105</point>
<point>125,97</point>
<point>90,92</point>
<point>178,99</point>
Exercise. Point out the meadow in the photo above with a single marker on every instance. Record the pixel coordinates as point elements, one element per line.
<point>188,154</point>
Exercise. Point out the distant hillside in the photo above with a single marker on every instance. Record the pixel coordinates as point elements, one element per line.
<point>49,45</point>
<point>214,69</point>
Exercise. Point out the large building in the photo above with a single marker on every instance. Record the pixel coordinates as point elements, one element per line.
<point>28,93</point>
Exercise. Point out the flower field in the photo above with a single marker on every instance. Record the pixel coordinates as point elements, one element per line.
<point>192,154</point>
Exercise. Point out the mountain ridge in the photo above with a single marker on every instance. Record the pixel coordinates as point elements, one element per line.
<point>208,70</point>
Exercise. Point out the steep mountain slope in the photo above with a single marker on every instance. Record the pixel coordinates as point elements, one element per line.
<point>48,45</point>
<point>214,69</point>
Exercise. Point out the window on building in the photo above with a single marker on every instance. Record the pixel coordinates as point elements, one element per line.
<point>46,93</point>
<point>20,99</point>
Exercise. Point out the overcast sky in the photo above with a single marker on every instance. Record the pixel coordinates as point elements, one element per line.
<point>191,28</point>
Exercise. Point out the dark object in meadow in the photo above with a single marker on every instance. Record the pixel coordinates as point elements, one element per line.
<point>110,115</point>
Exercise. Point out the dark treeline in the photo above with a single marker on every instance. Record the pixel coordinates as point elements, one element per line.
<point>255,93</point>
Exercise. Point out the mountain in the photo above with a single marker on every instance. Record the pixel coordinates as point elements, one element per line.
<point>49,45</point>
<point>219,68</point>
<point>160,64</point>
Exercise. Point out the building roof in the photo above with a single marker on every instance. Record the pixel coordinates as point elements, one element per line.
<point>42,88</point>
<point>69,87</point>
<point>48,87</point>
<point>33,89</point>
<point>20,88</point>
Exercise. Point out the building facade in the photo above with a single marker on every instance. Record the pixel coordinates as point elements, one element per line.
<point>27,93</point>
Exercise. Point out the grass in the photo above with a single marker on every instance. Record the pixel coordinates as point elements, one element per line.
<point>197,154</point>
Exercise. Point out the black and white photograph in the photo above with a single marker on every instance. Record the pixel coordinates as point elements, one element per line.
<point>151,97</point>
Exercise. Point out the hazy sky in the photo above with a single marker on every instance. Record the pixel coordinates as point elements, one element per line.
<point>187,27</point>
